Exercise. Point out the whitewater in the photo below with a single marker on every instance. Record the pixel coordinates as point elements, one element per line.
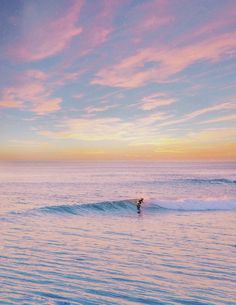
<point>71,234</point>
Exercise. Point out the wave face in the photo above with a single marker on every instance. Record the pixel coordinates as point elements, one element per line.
<point>107,207</point>
<point>129,207</point>
<point>100,207</point>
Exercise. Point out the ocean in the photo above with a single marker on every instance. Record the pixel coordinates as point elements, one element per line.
<point>71,234</point>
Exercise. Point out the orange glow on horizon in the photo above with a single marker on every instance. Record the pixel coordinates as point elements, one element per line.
<point>221,152</point>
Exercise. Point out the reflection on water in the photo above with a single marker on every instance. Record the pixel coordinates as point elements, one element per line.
<point>166,257</point>
<point>169,258</point>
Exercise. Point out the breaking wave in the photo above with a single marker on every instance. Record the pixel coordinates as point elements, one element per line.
<point>129,206</point>
<point>100,207</point>
<point>211,181</point>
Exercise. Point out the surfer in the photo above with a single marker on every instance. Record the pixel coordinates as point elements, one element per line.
<point>139,202</point>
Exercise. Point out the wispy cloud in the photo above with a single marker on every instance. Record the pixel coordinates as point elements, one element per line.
<point>78,96</point>
<point>90,129</point>
<point>225,118</point>
<point>211,109</point>
<point>148,17</point>
<point>46,37</point>
<point>139,77</point>
<point>101,25</point>
<point>23,143</point>
<point>131,72</point>
<point>31,94</point>
<point>221,21</point>
<point>95,109</point>
<point>107,128</point>
<point>96,31</point>
<point>114,128</point>
<point>156,119</point>
<point>153,101</point>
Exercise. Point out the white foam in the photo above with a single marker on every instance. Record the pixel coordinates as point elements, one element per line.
<point>196,205</point>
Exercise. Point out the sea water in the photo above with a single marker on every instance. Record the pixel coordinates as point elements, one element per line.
<point>71,234</point>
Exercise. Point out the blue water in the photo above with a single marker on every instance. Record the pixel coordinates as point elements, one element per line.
<point>71,234</point>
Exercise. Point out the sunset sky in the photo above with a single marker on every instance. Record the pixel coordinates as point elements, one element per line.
<point>129,79</point>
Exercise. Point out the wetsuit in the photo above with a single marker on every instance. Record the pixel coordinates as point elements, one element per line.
<point>139,205</point>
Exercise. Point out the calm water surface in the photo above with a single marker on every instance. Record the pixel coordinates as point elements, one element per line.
<point>70,233</point>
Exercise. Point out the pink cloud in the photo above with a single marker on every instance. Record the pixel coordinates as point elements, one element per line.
<point>221,22</point>
<point>31,94</point>
<point>93,109</point>
<point>101,26</point>
<point>48,38</point>
<point>46,105</point>
<point>8,102</point>
<point>78,96</point>
<point>131,72</point>
<point>96,30</point>
<point>153,101</point>
<point>34,74</point>
<point>150,16</point>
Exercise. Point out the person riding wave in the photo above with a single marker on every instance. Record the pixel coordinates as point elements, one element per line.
<point>139,203</point>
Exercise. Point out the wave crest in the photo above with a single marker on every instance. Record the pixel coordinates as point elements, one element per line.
<point>129,206</point>
<point>105,207</point>
<point>212,181</point>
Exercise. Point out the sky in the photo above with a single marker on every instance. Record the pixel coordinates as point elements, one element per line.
<point>125,80</point>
